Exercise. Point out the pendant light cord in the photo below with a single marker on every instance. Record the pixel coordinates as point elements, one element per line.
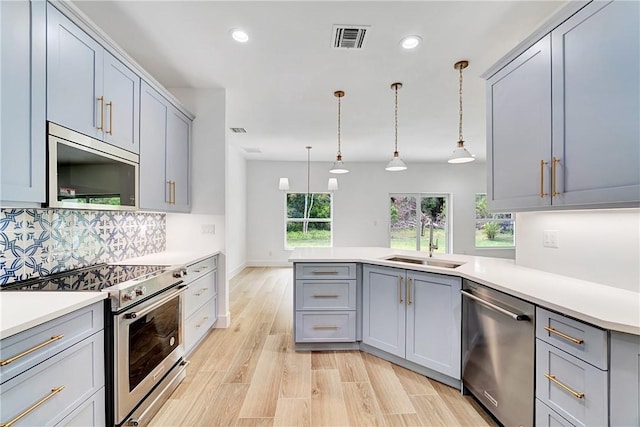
<point>308,170</point>
<point>339,103</point>
<point>460,107</point>
<point>396,119</point>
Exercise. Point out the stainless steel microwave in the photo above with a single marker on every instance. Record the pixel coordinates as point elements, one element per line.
<point>85,173</point>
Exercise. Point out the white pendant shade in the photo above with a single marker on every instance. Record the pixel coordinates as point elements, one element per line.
<point>461,155</point>
<point>333,184</point>
<point>338,167</point>
<point>396,164</point>
<point>283,184</point>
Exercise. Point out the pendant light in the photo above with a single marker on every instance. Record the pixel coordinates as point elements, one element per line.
<point>460,154</point>
<point>338,166</point>
<point>396,164</point>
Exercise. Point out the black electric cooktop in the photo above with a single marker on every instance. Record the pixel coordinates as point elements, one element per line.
<point>91,278</point>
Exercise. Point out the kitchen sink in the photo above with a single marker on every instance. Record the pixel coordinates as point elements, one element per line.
<point>425,261</point>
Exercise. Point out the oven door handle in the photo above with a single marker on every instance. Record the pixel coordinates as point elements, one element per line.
<point>514,316</point>
<point>135,314</point>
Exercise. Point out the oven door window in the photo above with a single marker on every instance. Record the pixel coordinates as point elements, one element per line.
<point>151,339</point>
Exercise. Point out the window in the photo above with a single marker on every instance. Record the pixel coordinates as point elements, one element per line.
<point>493,230</point>
<point>413,216</point>
<point>308,222</point>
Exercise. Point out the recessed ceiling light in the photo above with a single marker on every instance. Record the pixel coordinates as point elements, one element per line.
<point>240,36</point>
<point>410,42</point>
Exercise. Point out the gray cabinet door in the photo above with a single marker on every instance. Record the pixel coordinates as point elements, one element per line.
<point>122,105</point>
<point>74,76</point>
<point>23,74</point>
<point>178,147</point>
<point>383,309</point>
<point>596,104</point>
<point>433,322</point>
<point>624,380</point>
<point>519,131</point>
<point>154,188</point>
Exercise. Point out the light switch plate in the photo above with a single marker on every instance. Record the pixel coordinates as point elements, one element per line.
<point>551,238</point>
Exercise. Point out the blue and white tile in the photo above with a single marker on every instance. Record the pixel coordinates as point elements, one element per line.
<point>11,270</point>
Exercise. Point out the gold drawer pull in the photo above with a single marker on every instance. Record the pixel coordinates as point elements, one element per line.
<point>31,350</point>
<point>204,320</point>
<point>321,272</point>
<point>554,162</point>
<point>101,101</point>
<point>542,193</point>
<point>202,291</point>
<point>110,105</point>
<point>409,290</point>
<point>320,327</point>
<point>325,296</point>
<point>201,269</point>
<point>54,391</point>
<point>552,378</point>
<point>400,289</point>
<point>561,335</point>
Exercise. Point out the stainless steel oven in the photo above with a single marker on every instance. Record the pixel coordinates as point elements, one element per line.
<point>148,349</point>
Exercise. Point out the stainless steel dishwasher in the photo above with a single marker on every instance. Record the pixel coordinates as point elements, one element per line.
<point>498,337</point>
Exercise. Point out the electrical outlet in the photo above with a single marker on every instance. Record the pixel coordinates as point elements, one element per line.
<point>551,238</point>
<point>208,229</point>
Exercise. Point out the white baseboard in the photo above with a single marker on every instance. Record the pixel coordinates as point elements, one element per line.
<point>224,322</point>
<point>268,263</point>
<point>231,274</point>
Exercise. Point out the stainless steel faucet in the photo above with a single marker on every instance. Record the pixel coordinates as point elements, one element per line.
<point>432,246</point>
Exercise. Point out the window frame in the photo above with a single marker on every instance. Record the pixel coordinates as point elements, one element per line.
<point>448,197</point>
<point>287,220</point>
<point>512,220</point>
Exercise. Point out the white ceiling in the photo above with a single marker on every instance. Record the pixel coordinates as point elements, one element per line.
<point>279,85</point>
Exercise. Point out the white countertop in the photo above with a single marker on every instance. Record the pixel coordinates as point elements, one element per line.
<point>601,305</point>
<point>20,311</point>
<point>169,258</point>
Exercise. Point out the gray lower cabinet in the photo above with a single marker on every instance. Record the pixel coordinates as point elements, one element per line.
<point>59,379</point>
<point>413,315</point>
<point>552,111</point>
<point>572,378</point>
<point>200,301</point>
<point>23,77</point>
<point>624,377</point>
<point>325,298</point>
<point>164,154</point>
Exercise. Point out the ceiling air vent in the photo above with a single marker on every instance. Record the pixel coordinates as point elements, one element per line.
<point>349,36</point>
<point>238,130</point>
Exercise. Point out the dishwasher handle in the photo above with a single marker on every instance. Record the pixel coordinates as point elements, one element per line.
<point>514,316</point>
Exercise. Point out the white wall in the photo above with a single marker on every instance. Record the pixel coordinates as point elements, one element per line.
<point>236,216</point>
<point>361,206</point>
<point>600,246</point>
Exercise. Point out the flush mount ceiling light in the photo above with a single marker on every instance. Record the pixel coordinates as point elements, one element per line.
<point>239,35</point>
<point>396,163</point>
<point>410,42</point>
<point>460,154</point>
<point>338,166</point>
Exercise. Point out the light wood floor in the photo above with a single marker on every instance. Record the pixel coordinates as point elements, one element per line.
<point>250,375</point>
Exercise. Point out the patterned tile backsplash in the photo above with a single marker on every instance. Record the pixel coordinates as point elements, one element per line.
<point>38,242</point>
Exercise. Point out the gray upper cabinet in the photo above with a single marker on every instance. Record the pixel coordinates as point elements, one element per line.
<point>164,154</point>
<point>23,77</point>
<point>596,104</point>
<point>562,118</point>
<point>89,90</point>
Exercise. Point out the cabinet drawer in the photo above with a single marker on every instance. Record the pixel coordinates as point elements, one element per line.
<point>325,271</point>
<point>199,323</point>
<point>339,326</point>
<point>573,376</point>
<point>200,291</point>
<point>325,294</point>
<point>546,417</point>
<point>90,413</point>
<point>79,369</point>
<point>52,336</point>
<point>201,268</point>
<point>577,338</point>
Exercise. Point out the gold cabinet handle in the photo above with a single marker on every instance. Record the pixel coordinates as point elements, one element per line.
<point>323,272</point>
<point>169,184</point>
<point>320,327</point>
<point>542,193</point>
<point>409,290</point>
<point>54,391</point>
<point>577,394</point>
<point>31,350</point>
<point>325,296</point>
<point>174,192</point>
<point>554,162</point>
<point>101,100</point>
<point>201,269</point>
<point>110,105</point>
<point>564,336</point>
<point>400,288</point>
<point>204,320</point>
